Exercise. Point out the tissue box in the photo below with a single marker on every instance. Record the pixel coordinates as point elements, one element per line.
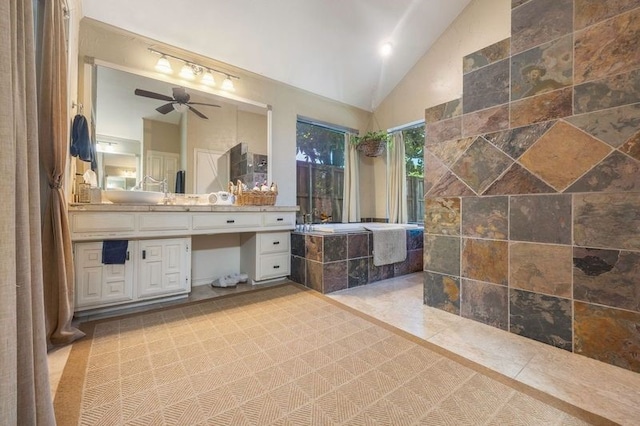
<point>96,195</point>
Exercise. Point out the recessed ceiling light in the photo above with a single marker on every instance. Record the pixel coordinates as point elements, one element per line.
<point>386,48</point>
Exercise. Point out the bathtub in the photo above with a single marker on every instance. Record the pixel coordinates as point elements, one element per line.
<point>358,227</point>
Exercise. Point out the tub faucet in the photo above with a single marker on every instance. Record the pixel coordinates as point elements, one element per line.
<point>308,219</point>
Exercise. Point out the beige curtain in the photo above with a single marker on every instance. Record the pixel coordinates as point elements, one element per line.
<point>351,195</point>
<point>25,398</point>
<point>397,190</point>
<point>54,141</point>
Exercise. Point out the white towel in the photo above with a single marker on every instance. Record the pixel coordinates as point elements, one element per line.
<point>389,244</point>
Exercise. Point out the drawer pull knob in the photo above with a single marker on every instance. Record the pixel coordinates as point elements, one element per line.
<point>276,266</point>
<point>275,243</point>
<point>280,219</point>
<point>231,221</point>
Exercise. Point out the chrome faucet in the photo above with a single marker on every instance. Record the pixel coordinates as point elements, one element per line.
<point>164,187</point>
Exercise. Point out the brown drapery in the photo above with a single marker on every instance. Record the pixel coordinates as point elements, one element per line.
<point>25,398</point>
<point>53,136</point>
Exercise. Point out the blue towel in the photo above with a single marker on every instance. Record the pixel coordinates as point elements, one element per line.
<point>81,145</point>
<point>114,252</point>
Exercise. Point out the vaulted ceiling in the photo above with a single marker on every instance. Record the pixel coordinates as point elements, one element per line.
<point>327,47</point>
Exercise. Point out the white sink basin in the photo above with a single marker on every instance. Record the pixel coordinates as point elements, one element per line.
<point>134,197</point>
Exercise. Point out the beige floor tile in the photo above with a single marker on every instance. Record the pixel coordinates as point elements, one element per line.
<point>601,388</point>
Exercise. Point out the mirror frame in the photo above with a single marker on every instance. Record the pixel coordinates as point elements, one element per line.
<point>90,91</point>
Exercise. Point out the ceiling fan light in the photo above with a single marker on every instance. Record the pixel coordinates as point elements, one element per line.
<point>187,72</point>
<point>227,84</point>
<point>208,79</point>
<point>180,107</point>
<point>163,65</point>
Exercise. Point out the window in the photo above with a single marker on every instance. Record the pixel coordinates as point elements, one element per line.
<point>319,170</point>
<point>414,156</point>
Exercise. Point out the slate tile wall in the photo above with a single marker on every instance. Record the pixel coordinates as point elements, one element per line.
<point>532,182</point>
<point>328,263</point>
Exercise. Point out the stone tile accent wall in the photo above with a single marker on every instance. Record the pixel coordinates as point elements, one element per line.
<point>328,263</point>
<point>532,182</point>
<point>248,167</point>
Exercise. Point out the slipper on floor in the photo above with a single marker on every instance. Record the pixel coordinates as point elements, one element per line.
<point>224,282</point>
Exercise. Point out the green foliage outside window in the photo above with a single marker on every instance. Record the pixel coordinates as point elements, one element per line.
<point>414,150</point>
<point>320,145</point>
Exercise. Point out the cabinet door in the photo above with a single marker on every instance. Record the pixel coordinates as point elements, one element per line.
<point>98,284</point>
<point>163,267</point>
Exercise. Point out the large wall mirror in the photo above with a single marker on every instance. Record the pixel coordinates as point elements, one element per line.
<point>135,140</point>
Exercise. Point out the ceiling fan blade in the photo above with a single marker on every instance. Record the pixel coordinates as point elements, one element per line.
<point>198,113</point>
<point>152,95</point>
<point>166,108</point>
<point>200,103</point>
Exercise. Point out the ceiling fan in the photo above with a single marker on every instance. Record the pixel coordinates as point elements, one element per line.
<point>179,101</point>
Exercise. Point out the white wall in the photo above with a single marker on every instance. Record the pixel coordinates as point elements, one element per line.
<point>437,77</point>
<point>75,14</point>
<point>128,50</point>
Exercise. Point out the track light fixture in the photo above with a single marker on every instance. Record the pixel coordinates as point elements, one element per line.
<point>207,78</point>
<point>227,84</point>
<point>163,65</point>
<point>191,70</point>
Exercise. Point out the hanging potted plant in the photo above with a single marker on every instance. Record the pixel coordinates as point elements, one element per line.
<point>373,143</point>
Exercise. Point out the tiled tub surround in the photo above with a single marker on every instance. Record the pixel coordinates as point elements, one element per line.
<point>332,262</point>
<point>532,182</point>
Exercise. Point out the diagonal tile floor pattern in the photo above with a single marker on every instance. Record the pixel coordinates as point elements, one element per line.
<point>283,356</point>
<point>609,391</point>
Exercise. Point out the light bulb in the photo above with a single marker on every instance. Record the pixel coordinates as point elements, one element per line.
<point>163,65</point>
<point>207,79</point>
<point>180,107</point>
<point>187,72</point>
<point>227,84</point>
<point>386,48</point>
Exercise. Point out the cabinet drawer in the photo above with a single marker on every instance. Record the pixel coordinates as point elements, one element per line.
<point>279,219</point>
<point>222,220</point>
<point>103,222</point>
<point>164,222</point>
<point>274,265</point>
<point>273,242</point>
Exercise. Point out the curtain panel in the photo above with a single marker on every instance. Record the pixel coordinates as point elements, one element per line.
<point>54,146</point>
<point>351,200</point>
<point>25,398</point>
<point>397,172</point>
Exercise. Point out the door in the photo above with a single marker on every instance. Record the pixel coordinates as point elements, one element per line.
<point>162,165</point>
<point>212,171</point>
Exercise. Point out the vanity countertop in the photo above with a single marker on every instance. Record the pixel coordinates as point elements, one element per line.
<point>109,207</point>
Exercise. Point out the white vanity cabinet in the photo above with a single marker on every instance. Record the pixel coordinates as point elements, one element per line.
<point>159,261</point>
<point>265,255</point>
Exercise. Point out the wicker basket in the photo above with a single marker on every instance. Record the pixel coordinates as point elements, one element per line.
<point>372,147</point>
<point>256,198</point>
